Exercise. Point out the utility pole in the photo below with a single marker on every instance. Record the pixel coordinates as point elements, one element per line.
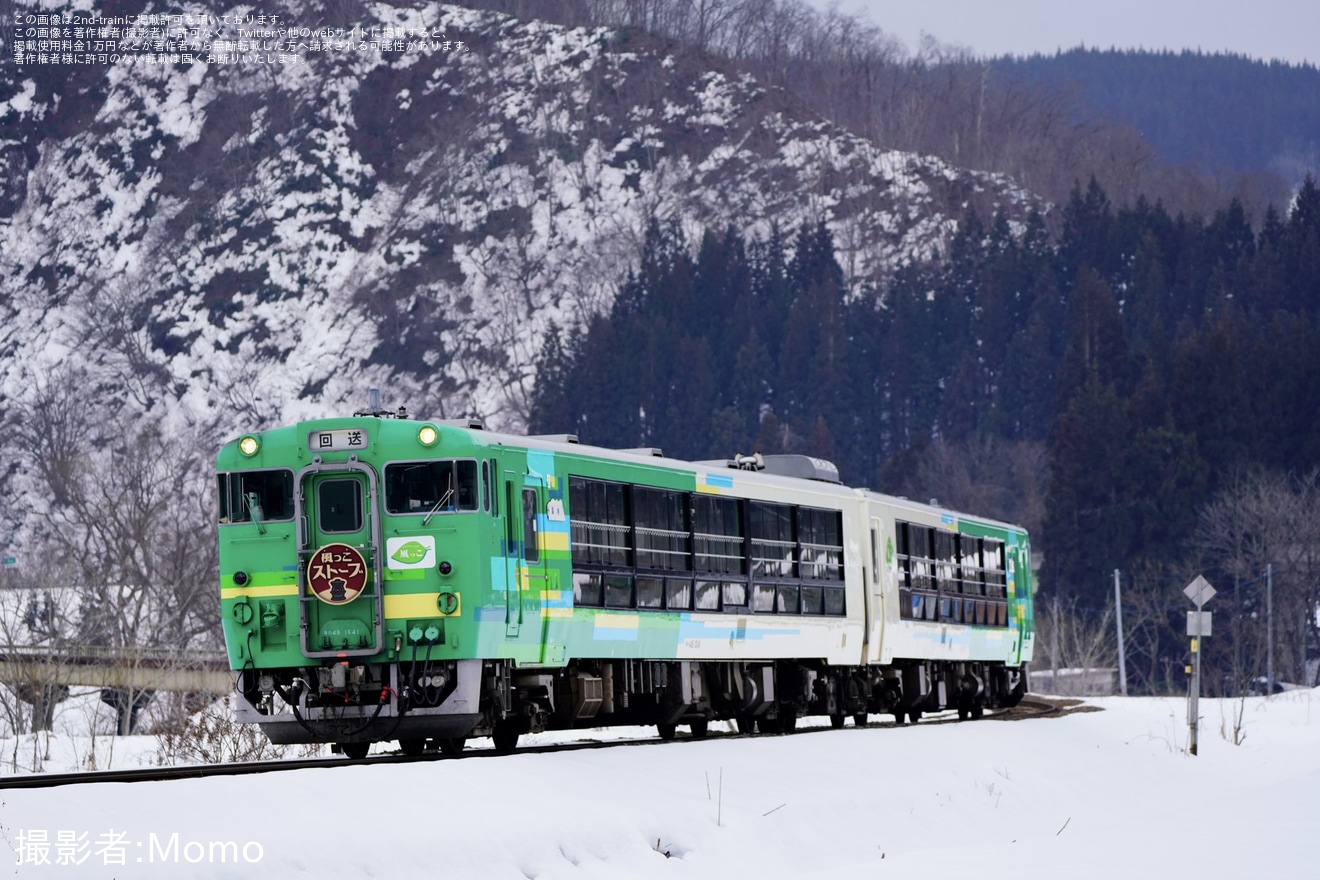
<point>1122,657</point>
<point>1269,629</point>
<point>1054,648</point>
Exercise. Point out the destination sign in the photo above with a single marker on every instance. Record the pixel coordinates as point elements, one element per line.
<point>342,440</point>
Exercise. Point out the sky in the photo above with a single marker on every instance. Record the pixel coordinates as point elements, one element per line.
<point>1285,29</point>
<point>1101,794</point>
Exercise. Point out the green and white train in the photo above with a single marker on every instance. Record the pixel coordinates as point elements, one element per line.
<point>384,578</point>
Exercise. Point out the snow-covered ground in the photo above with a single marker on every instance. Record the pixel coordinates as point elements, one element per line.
<point>1109,794</point>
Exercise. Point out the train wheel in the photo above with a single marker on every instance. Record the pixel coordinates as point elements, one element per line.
<point>412,746</point>
<point>453,746</point>
<point>836,721</point>
<point>356,751</point>
<point>860,719</point>
<point>914,715</point>
<point>667,731</point>
<point>746,724</point>
<point>900,717</point>
<point>964,713</point>
<point>978,710</point>
<point>700,728</point>
<point>505,736</point>
<point>788,721</point>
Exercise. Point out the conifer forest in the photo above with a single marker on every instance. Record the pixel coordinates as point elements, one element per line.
<point>1142,391</point>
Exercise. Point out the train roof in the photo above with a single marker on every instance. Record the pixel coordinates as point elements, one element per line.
<point>798,473</point>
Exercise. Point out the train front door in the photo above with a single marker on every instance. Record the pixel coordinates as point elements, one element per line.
<point>340,595</point>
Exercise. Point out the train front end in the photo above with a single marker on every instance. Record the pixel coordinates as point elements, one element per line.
<point>349,568</point>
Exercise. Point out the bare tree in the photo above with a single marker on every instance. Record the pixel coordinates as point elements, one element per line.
<point>1262,518</point>
<point>1078,640</point>
<point>122,510</point>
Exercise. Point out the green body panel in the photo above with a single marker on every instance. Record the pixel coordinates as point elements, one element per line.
<point>508,608</point>
<point>1021,590</point>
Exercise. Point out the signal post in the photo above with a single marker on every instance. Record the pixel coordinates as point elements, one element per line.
<point>1198,627</point>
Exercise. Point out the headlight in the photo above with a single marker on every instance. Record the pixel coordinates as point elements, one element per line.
<point>428,436</point>
<point>249,445</point>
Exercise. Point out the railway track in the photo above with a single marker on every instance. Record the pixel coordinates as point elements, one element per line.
<point>1030,707</point>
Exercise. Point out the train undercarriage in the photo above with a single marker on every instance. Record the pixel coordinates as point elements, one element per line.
<point>439,705</point>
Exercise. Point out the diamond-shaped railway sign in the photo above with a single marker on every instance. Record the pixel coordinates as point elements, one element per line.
<point>1199,591</point>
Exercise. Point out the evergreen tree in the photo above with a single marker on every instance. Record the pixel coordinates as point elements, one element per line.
<point>1090,525</point>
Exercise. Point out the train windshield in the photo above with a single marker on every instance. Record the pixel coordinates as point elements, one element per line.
<point>427,487</point>
<point>256,496</point>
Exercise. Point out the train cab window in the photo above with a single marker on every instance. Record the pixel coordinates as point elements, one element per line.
<point>265,495</point>
<point>339,505</point>
<point>431,487</point>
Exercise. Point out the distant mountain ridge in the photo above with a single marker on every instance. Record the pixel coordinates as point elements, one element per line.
<point>1218,111</point>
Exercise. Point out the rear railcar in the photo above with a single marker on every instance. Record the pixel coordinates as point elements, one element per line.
<point>955,627</point>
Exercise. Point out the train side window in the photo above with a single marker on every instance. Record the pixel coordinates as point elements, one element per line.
<point>531,549</point>
<point>717,529</point>
<point>821,535</point>
<point>660,523</point>
<point>734,595</point>
<point>618,591</point>
<point>946,559</point>
<point>834,601</point>
<point>600,522</point>
<point>786,599</point>
<point>588,590</point>
<point>813,599</point>
<point>763,597</point>
<point>650,592</point>
<point>678,594</point>
<point>485,487</point>
<point>773,544</point>
<point>708,596</point>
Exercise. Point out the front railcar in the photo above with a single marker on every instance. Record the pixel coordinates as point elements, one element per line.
<point>349,551</point>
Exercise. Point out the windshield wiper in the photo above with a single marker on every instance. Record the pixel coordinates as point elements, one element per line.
<point>443,498</point>
<point>254,507</point>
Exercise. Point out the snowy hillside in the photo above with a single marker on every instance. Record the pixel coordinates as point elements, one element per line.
<point>230,245</point>
<point>1090,795</point>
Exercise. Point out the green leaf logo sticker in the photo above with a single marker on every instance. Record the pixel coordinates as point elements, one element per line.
<point>413,552</point>
<point>410,553</point>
